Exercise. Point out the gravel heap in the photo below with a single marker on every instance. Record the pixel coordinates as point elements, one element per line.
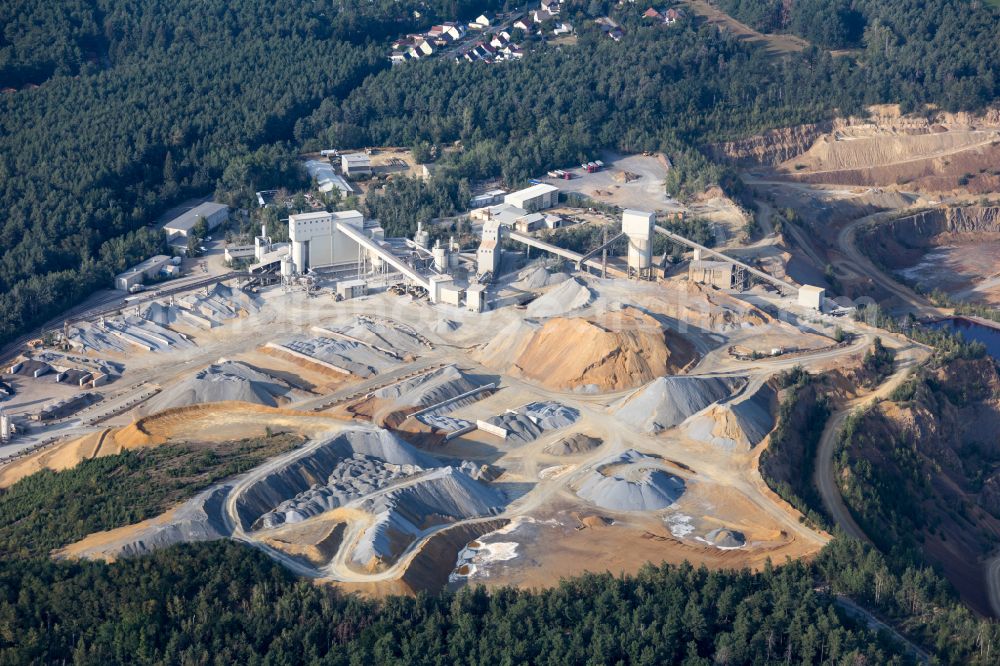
<point>572,445</point>
<point>537,276</point>
<point>446,495</point>
<point>225,381</point>
<point>667,401</point>
<point>628,482</point>
<point>528,422</point>
<point>570,295</point>
<point>726,538</point>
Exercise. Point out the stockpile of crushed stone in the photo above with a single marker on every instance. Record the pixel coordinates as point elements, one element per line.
<point>570,295</point>
<point>572,445</point>
<point>225,381</point>
<point>447,495</point>
<point>629,482</point>
<point>739,424</point>
<point>219,303</point>
<point>667,401</point>
<point>295,485</point>
<point>353,477</point>
<point>537,277</point>
<point>383,334</point>
<point>726,538</point>
<point>360,359</point>
<point>529,422</point>
<point>431,388</point>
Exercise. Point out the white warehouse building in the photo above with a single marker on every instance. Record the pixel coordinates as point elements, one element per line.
<point>534,198</point>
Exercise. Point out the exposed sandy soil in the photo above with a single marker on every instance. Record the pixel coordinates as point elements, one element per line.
<point>214,422</point>
<point>572,541</point>
<point>773,44</point>
<point>96,545</point>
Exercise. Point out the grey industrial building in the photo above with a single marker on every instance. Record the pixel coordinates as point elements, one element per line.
<point>181,226</point>
<point>140,273</point>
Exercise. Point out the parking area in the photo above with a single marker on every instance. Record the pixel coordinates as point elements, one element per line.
<point>632,181</point>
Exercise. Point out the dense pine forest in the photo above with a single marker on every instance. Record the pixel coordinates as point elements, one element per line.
<point>122,109</point>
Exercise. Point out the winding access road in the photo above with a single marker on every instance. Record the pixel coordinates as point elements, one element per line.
<point>824,475</point>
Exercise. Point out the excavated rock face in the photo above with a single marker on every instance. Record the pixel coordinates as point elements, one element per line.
<point>772,147</point>
<point>901,242</point>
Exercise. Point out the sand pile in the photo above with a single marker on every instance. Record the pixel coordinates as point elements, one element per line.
<point>573,445</point>
<point>568,296</point>
<point>618,351</point>
<point>509,343</point>
<point>318,476</point>
<point>737,425</point>
<point>725,538</point>
<point>630,482</point>
<point>198,519</point>
<point>446,495</point>
<point>537,277</point>
<point>226,381</point>
<point>668,401</point>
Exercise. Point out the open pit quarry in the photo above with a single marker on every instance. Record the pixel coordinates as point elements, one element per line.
<point>574,423</point>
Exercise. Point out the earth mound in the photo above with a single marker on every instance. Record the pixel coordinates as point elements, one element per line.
<point>198,519</point>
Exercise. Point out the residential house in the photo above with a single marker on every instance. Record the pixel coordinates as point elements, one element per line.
<point>542,15</point>
<point>672,15</point>
<point>523,24</point>
<point>513,51</point>
<point>481,22</point>
<point>553,6</point>
<point>652,14</point>
<point>562,29</point>
<point>610,27</point>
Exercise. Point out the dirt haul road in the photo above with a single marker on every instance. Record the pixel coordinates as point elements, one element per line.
<point>864,266</point>
<point>908,356</point>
